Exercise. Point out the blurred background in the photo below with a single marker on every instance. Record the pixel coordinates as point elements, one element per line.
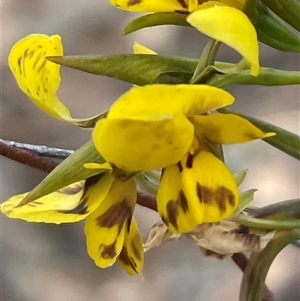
<point>49,262</point>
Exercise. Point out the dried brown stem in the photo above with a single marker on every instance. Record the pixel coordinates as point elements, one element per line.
<point>27,157</point>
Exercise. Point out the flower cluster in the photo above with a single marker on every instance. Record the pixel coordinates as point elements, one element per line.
<point>174,128</point>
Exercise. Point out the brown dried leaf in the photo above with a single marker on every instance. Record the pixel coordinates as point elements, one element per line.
<point>158,234</point>
<point>227,237</point>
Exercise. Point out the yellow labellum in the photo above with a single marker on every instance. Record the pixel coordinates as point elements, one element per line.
<point>231,27</point>
<point>137,145</point>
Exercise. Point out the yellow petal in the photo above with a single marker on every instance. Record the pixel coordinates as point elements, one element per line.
<point>151,5</point>
<point>131,257</point>
<point>105,228</point>
<point>171,201</point>
<point>39,78</point>
<point>239,4</point>
<point>228,128</point>
<point>70,204</point>
<point>230,26</point>
<point>209,187</point>
<point>137,145</point>
<point>152,102</point>
<point>141,49</point>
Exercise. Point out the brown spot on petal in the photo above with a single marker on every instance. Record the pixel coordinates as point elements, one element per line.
<point>220,196</point>
<point>127,260</point>
<point>172,212</point>
<point>117,214</point>
<point>134,2</point>
<point>182,202</point>
<point>182,3</point>
<point>108,251</point>
<point>180,167</point>
<point>189,161</point>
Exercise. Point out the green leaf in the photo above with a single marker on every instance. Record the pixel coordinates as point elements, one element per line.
<point>138,69</point>
<point>266,77</point>
<point>67,172</point>
<point>259,264</point>
<point>284,140</point>
<point>287,10</point>
<point>156,20</point>
<point>289,209</point>
<point>272,32</point>
<point>259,223</point>
<point>142,69</point>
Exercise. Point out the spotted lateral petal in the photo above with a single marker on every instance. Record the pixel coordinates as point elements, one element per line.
<point>229,26</point>
<point>160,101</point>
<point>172,203</point>
<point>200,189</point>
<point>138,145</point>
<point>106,227</point>
<point>131,257</point>
<point>209,187</point>
<point>70,204</point>
<point>39,78</point>
<point>227,128</point>
<point>151,5</point>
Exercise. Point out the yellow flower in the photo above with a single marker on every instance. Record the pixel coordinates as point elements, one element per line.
<point>107,206</point>
<point>163,126</point>
<point>221,20</point>
<point>39,78</point>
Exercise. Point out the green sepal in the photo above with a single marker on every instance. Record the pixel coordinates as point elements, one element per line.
<point>246,198</point>
<point>240,176</point>
<point>287,10</point>
<point>142,69</point>
<point>284,140</point>
<point>156,19</point>
<point>259,263</point>
<point>67,172</point>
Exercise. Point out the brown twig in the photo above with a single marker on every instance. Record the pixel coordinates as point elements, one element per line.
<point>27,157</point>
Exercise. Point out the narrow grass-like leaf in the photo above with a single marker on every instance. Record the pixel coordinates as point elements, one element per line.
<point>156,19</point>
<point>289,209</point>
<point>142,69</point>
<point>259,264</point>
<point>284,140</point>
<point>67,172</point>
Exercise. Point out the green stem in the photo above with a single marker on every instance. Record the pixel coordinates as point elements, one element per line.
<point>250,221</point>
